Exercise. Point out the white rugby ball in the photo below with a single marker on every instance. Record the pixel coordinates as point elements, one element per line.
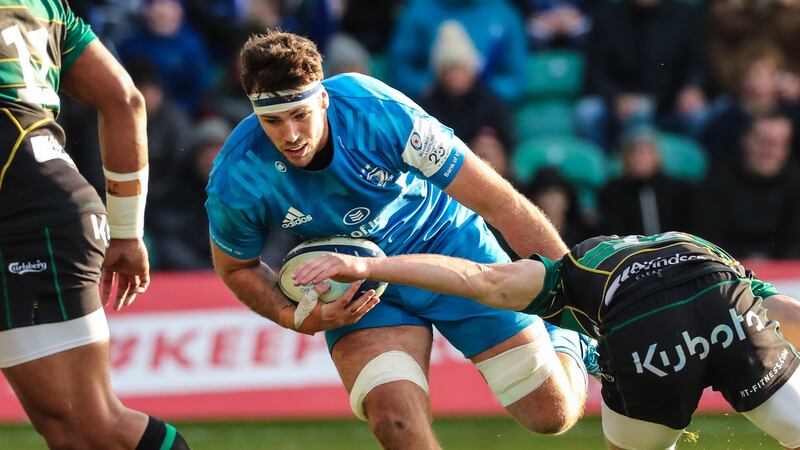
<point>313,248</point>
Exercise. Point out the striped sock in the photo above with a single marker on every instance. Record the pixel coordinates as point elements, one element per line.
<point>161,436</point>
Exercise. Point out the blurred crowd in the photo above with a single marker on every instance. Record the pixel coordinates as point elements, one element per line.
<point>614,116</point>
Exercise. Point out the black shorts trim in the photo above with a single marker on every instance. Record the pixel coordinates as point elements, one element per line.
<point>54,269</point>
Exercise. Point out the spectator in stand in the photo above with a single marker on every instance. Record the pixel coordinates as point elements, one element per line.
<point>177,51</point>
<point>732,24</point>
<point>345,54</point>
<point>459,99</point>
<point>496,30</point>
<point>558,200</point>
<point>214,21</point>
<point>371,22</point>
<point>224,98</point>
<point>167,132</point>
<point>556,23</point>
<point>644,62</point>
<point>179,230</point>
<point>750,205</point>
<point>643,200</point>
<point>755,90</point>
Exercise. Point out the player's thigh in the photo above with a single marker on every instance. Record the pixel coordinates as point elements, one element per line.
<point>778,415</point>
<point>626,433</point>
<point>74,383</point>
<point>786,310</point>
<point>353,351</point>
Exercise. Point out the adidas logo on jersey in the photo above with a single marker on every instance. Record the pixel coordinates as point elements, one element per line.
<point>294,218</point>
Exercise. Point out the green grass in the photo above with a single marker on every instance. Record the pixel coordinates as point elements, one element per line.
<point>496,433</point>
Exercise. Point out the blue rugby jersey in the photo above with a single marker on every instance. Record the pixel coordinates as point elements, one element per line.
<point>391,161</point>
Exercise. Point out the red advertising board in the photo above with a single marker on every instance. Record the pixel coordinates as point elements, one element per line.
<point>187,349</point>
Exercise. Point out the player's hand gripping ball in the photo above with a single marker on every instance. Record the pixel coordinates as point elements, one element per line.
<point>316,247</point>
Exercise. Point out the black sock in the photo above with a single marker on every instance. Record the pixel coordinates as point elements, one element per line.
<point>157,434</point>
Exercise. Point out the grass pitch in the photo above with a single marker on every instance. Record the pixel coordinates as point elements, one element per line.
<point>716,432</point>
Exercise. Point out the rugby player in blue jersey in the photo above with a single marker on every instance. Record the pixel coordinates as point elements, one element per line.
<point>351,156</point>
<point>673,314</point>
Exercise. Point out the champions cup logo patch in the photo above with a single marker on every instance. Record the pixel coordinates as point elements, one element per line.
<point>20,268</point>
<point>428,146</point>
<point>416,141</point>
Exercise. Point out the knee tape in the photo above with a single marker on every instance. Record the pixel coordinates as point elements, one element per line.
<point>390,366</point>
<point>519,371</point>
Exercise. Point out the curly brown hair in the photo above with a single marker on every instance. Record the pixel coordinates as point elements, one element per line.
<point>277,60</point>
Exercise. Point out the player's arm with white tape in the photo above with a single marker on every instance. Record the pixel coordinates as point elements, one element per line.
<point>98,80</point>
<point>504,285</point>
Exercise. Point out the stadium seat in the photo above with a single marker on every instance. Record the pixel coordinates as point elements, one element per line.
<point>554,74</point>
<point>580,161</point>
<point>682,157</point>
<point>378,67</point>
<point>549,117</point>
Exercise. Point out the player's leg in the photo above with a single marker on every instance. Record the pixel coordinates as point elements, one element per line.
<point>785,310</point>
<point>626,433</point>
<point>54,340</point>
<point>543,390</point>
<point>67,396</point>
<point>385,371</point>
<point>778,415</point>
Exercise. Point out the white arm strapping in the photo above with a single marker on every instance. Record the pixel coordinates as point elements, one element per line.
<point>305,306</point>
<point>126,213</point>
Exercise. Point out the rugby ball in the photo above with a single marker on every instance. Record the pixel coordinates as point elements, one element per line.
<point>313,248</point>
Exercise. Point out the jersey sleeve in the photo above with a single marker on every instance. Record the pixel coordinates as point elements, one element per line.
<point>78,34</point>
<point>233,230</point>
<point>426,147</point>
<point>548,304</point>
<point>761,288</point>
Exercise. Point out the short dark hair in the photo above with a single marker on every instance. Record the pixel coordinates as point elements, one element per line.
<point>277,60</point>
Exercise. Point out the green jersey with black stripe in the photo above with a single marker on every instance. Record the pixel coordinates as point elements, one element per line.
<point>605,275</point>
<point>39,183</point>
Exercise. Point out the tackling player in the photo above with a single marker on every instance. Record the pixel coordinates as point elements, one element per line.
<point>54,232</point>
<point>351,156</point>
<point>673,314</point>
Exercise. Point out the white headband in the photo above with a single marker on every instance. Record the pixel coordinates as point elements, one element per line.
<point>280,101</point>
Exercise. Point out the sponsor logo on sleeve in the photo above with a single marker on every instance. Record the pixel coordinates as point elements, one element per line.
<point>429,146</point>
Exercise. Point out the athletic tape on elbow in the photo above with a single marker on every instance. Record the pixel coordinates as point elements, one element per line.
<point>385,368</point>
<point>126,196</point>
<point>519,371</point>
